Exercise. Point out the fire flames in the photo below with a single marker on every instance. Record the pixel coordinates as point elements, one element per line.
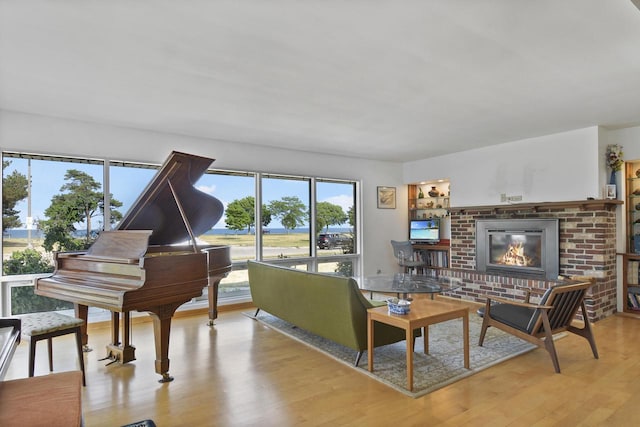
<point>515,256</point>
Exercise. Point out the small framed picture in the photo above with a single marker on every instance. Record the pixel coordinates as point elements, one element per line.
<point>610,191</point>
<point>386,197</point>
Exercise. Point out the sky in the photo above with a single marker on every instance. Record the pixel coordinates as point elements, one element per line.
<point>126,184</point>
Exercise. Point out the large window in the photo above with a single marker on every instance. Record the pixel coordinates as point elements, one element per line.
<point>336,225</point>
<point>236,229</point>
<point>126,182</point>
<point>59,204</point>
<point>49,204</point>
<point>285,212</point>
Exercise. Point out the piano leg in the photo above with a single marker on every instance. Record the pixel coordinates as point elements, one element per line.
<point>212,292</point>
<point>161,329</point>
<point>115,328</point>
<point>116,351</point>
<point>213,300</point>
<point>82,312</point>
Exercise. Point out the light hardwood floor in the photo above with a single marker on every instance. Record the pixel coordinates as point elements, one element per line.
<point>241,373</point>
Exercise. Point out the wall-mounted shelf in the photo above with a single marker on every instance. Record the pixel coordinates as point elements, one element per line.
<point>631,258</point>
<point>434,205</point>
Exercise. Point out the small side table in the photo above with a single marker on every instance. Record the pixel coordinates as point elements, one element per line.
<point>423,313</point>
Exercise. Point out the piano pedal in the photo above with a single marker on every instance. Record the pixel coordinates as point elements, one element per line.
<point>115,360</point>
<point>120,354</point>
<point>112,357</point>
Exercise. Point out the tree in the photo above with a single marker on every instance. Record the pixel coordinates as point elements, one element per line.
<point>266,215</point>
<point>23,300</point>
<point>80,200</point>
<point>240,214</point>
<point>14,189</point>
<point>290,211</point>
<point>26,262</point>
<point>328,214</point>
<point>351,215</point>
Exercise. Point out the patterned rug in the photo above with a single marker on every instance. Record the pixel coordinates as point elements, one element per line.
<point>442,366</point>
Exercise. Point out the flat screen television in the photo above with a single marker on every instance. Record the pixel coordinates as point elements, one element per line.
<point>424,230</point>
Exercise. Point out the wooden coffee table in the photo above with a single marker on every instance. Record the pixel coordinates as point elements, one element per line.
<point>423,313</point>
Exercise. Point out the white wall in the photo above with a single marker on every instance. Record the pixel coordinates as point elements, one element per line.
<point>629,138</point>
<point>39,134</point>
<point>559,167</point>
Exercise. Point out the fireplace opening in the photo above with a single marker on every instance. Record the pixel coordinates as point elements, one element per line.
<point>519,250</point>
<point>522,247</point>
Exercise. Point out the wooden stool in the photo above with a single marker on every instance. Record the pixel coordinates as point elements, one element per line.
<point>46,325</point>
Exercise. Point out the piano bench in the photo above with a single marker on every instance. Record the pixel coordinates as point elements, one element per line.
<point>48,325</point>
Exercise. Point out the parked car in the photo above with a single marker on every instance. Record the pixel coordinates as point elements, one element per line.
<point>333,240</point>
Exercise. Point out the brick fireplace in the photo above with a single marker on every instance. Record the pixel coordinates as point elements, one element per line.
<point>587,247</point>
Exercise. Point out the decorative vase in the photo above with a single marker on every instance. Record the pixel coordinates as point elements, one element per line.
<point>612,178</point>
<point>420,194</point>
<point>434,192</point>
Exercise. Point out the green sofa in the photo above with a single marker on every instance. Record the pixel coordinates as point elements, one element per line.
<point>330,306</point>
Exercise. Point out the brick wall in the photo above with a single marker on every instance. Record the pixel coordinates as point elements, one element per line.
<point>587,248</point>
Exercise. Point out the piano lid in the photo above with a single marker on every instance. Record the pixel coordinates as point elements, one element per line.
<point>171,206</point>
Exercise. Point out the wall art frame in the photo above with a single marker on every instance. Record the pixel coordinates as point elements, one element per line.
<point>386,197</point>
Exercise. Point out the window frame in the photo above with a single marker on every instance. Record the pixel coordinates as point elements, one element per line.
<point>311,261</point>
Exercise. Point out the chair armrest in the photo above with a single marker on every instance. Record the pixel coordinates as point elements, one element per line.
<point>529,291</point>
<point>537,291</point>
<point>376,303</point>
<point>518,303</point>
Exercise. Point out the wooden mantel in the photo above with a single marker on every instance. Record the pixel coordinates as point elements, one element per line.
<point>586,205</point>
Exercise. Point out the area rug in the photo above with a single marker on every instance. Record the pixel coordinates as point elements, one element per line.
<point>442,366</point>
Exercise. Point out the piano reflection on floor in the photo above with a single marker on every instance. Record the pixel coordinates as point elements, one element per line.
<point>141,266</point>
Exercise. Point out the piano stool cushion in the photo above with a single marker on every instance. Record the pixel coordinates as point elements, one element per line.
<point>34,324</point>
<point>47,400</point>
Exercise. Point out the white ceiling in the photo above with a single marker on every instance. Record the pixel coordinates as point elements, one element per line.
<point>380,79</point>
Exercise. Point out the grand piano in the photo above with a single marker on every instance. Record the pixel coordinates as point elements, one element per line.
<point>151,262</point>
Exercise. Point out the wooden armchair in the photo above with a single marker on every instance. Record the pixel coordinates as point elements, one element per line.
<point>537,323</point>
